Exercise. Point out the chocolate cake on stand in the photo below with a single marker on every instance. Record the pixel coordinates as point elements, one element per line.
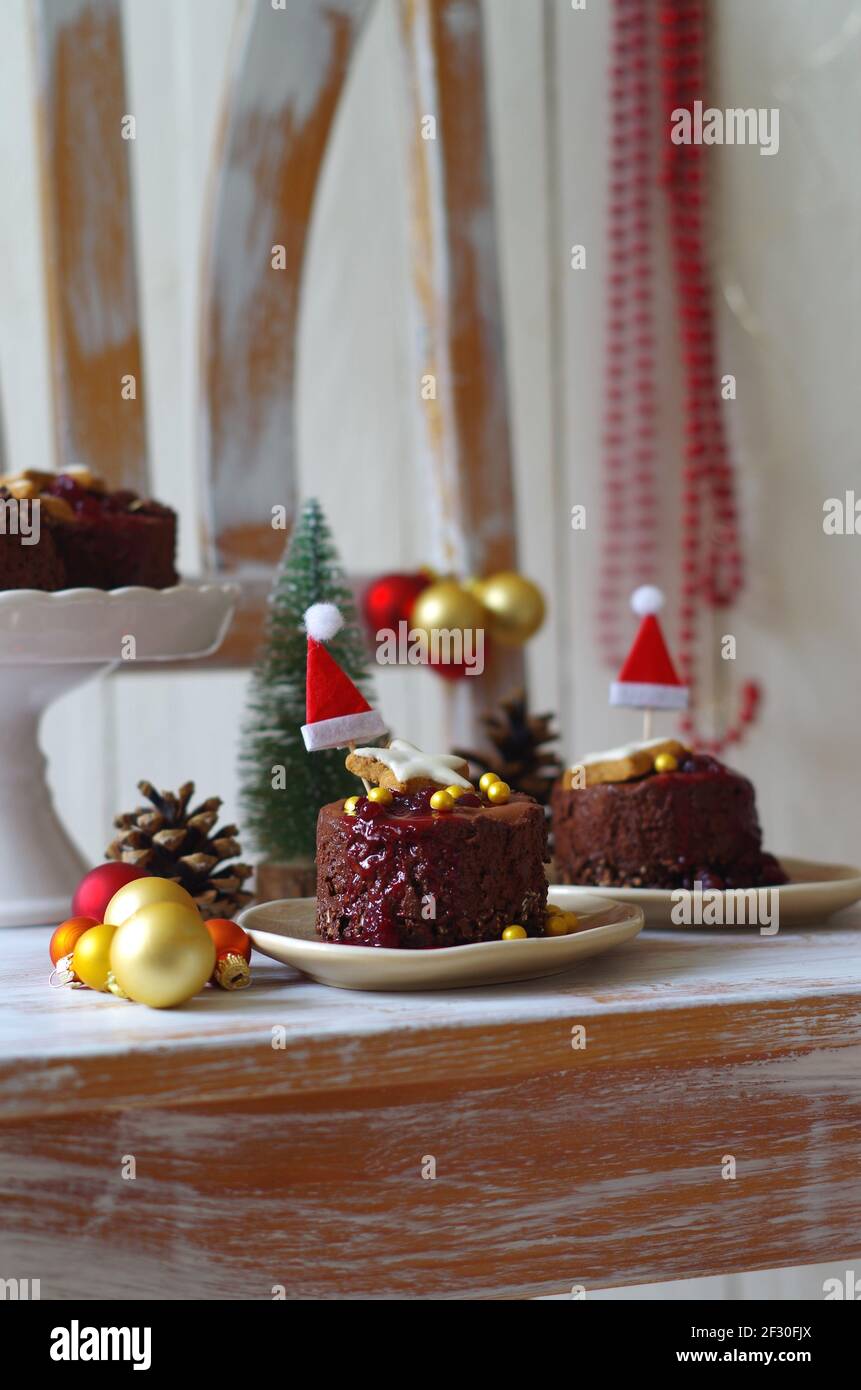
<point>101,569</point>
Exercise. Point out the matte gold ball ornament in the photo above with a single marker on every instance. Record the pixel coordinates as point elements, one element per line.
<point>142,892</point>
<point>162,954</point>
<point>514,607</point>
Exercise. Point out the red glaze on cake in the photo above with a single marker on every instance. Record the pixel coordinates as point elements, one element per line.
<point>87,537</point>
<point>669,830</point>
<point>480,866</point>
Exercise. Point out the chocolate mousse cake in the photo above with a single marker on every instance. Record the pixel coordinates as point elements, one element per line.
<point>657,815</point>
<point>424,860</point>
<point>86,536</point>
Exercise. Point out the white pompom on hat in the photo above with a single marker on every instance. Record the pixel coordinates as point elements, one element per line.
<point>647,599</point>
<point>323,621</point>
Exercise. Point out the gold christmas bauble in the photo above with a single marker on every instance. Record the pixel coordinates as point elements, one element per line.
<point>91,958</point>
<point>162,954</point>
<point>141,892</point>
<point>446,604</point>
<point>514,605</point>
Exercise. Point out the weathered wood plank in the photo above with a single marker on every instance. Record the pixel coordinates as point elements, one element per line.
<point>601,1177</point>
<point>283,94</point>
<point>261,1166</point>
<point>91,287</point>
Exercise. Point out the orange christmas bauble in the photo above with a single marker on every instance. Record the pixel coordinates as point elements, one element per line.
<point>67,935</point>
<point>228,936</point>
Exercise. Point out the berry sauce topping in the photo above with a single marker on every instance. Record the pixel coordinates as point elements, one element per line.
<point>393,846</point>
<point>86,502</point>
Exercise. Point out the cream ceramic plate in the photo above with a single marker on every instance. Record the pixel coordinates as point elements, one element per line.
<point>284,930</point>
<point>814,893</point>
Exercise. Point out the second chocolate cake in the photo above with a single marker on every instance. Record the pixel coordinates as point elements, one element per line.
<point>659,816</point>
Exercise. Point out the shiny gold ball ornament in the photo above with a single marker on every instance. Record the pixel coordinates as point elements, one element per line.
<point>513,933</point>
<point>442,801</point>
<point>162,954</point>
<point>447,605</point>
<point>143,892</point>
<point>487,779</point>
<point>498,793</point>
<point>666,762</point>
<point>514,605</point>
<point>350,805</point>
<point>381,795</point>
<point>91,958</point>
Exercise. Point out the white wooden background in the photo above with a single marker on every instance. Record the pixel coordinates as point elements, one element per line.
<point>787,231</point>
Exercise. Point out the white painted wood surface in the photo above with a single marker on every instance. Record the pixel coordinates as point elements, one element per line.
<point>658,973</point>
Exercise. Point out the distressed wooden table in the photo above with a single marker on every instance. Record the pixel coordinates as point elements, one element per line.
<point>582,1129</point>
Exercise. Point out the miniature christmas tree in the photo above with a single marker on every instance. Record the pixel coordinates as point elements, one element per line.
<point>284,786</point>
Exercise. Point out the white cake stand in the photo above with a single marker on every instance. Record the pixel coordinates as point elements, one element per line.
<point>50,643</point>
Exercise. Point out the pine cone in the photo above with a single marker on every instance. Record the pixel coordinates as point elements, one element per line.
<point>520,740</point>
<point>171,841</point>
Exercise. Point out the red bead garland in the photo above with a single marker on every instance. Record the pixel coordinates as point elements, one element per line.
<point>629,391</point>
<point>711,556</point>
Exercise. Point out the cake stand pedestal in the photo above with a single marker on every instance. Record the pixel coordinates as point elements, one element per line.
<point>50,643</point>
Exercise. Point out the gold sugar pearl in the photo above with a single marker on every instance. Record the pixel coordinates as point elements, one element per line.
<point>666,762</point>
<point>498,793</point>
<point>514,933</point>
<point>381,795</point>
<point>458,792</point>
<point>442,801</point>
<point>487,780</point>
<point>350,805</point>
<point>555,924</point>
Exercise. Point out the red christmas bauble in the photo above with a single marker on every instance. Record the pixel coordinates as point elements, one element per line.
<point>389,600</point>
<point>96,888</point>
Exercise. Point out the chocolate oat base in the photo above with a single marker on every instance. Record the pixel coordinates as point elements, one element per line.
<point>698,824</point>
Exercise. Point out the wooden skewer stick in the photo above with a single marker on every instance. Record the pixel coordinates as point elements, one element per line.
<point>647,725</point>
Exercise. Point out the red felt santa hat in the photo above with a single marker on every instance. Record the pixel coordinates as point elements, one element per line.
<point>337,714</point>
<point>648,678</point>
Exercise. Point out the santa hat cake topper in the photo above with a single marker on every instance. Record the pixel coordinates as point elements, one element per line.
<point>336,712</point>
<point>648,678</point>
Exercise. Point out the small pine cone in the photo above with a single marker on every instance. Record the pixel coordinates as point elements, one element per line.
<point>173,839</point>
